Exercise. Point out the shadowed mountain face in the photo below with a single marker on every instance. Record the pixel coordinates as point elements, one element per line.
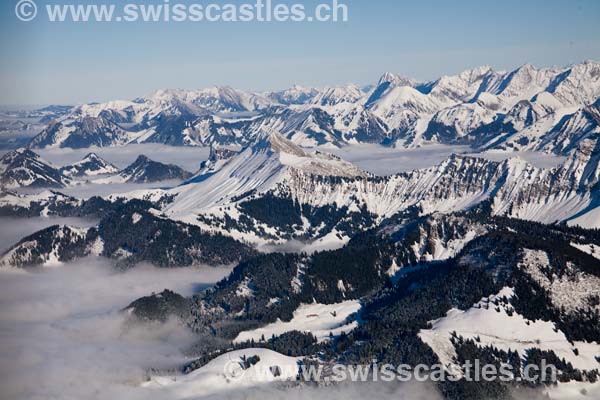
<point>23,168</point>
<point>144,170</point>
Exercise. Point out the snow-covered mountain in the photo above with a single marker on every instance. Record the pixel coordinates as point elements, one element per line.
<point>480,107</point>
<point>44,204</point>
<point>271,161</point>
<point>145,170</point>
<point>91,165</point>
<point>74,131</point>
<point>275,190</point>
<point>23,168</point>
<point>296,95</point>
<point>420,265</point>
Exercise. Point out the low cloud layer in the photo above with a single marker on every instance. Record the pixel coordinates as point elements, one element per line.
<point>188,158</point>
<point>62,335</point>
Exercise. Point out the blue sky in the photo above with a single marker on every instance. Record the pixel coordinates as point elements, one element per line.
<point>43,62</point>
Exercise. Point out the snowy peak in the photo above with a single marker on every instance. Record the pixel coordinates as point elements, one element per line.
<point>81,132</point>
<point>479,107</point>
<point>459,88</point>
<point>216,99</point>
<point>335,96</point>
<point>22,168</point>
<point>395,80</point>
<point>145,170</point>
<point>296,95</point>
<point>90,165</point>
<point>317,163</point>
<point>388,82</point>
<point>524,82</point>
<point>578,85</point>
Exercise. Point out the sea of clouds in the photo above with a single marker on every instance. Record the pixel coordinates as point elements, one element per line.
<point>63,336</point>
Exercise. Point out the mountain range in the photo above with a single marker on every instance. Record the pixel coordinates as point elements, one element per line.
<point>546,109</point>
<point>23,168</point>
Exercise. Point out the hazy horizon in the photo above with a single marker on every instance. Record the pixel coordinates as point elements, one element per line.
<point>15,107</point>
<point>72,63</point>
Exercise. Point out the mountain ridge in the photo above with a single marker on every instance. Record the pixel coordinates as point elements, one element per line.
<point>397,111</point>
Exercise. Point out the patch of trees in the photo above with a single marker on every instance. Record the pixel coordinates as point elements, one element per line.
<point>348,273</point>
<point>163,242</point>
<point>160,307</point>
<point>286,215</point>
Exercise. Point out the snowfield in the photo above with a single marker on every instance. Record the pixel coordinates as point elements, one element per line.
<point>498,329</point>
<point>227,372</point>
<point>590,249</point>
<point>318,319</point>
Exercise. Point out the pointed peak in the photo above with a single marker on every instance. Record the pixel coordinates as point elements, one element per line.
<point>473,74</point>
<point>92,156</point>
<point>142,158</point>
<point>525,69</point>
<point>387,77</point>
<point>394,79</point>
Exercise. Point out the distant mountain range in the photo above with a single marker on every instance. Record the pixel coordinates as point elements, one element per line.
<point>547,109</point>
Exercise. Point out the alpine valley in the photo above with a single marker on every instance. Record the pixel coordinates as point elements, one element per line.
<point>489,253</point>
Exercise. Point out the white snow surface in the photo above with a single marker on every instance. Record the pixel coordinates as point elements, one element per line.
<point>318,319</point>
<point>225,373</point>
<point>504,332</point>
<point>591,249</point>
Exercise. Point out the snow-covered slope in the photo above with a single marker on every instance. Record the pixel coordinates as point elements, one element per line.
<point>276,170</point>
<point>321,320</point>
<point>229,372</point>
<point>49,247</point>
<point>501,327</point>
<point>256,169</point>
